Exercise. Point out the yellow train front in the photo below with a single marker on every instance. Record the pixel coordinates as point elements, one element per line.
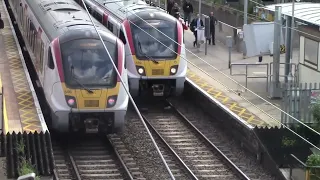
<point>158,59</point>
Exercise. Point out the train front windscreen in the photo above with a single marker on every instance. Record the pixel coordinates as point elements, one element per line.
<point>155,39</point>
<point>86,63</point>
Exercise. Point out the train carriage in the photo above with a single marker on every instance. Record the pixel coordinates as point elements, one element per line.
<point>153,39</point>
<point>77,77</point>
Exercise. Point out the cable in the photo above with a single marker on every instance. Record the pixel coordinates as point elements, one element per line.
<point>227,77</point>
<point>127,91</point>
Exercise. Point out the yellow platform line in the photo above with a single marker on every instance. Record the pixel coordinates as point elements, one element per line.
<point>5,116</point>
<point>242,111</point>
<point>220,96</point>
<point>4,110</point>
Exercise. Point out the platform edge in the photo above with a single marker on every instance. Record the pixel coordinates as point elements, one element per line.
<point>26,72</point>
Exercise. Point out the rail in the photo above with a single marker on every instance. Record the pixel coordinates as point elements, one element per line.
<point>256,76</point>
<point>183,161</point>
<point>304,172</point>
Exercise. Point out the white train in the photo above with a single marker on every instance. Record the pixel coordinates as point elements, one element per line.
<point>154,60</point>
<point>80,85</point>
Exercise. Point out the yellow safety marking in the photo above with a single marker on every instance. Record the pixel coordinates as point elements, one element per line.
<point>250,119</point>
<point>5,116</point>
<point>233,105</point>
<point>218,94</point>
<point>227,101</point>
<point>4,110</point>
<point>28,114</point>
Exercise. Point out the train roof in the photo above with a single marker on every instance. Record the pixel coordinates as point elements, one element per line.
<point>59,16</point>
<point>130,9</point>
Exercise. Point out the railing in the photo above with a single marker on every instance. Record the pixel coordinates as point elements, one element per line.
<point>265,75</point>
<point>293,67</point>
<point>304,172</point>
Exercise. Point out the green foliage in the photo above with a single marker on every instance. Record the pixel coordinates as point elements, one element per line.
<point>26,166</point>
<point>316,114</point>
<point>313,160</point>
<point>287,142</point>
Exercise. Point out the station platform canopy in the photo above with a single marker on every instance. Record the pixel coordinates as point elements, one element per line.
<point>305,12</point>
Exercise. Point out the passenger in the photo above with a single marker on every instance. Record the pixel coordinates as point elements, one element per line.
<point>195,24</point>
<point>170,6</point>
<point>213,23</point>
<point>175,9</point>
<point>177,15</point>
<point>188,10</point>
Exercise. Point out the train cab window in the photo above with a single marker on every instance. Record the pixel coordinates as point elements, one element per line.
<point>122,37</point>
<point>50,59</point>
<point>110,26</point>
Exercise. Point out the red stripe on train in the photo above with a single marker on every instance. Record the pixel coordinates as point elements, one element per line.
<point>120,58</point>
<point>180,33</point>
<point>129,36</point>
<point>57,55</point>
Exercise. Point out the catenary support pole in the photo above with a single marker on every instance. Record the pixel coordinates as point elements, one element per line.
<point>288,47</point>
<point>245,17</point>
<point>275,91</point>
<point>292,33</point>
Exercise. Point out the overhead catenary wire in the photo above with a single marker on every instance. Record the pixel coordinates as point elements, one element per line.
<point>128,93</point>
<point>228,78</point>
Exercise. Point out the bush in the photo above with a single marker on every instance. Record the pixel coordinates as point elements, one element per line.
<point>26,166</point>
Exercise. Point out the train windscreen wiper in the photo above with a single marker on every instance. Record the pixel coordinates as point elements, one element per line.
<point>150,59</point>
<point>76,80</point>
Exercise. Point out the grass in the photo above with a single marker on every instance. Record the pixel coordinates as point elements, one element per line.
<point>26,166</point>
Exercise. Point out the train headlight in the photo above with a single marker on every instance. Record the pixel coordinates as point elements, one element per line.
<point>173,69</point>
<point>141,70</point>
<point>71,101</point>
<point>111,101</point>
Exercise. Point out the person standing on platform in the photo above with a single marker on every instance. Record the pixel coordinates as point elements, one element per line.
<point>188,10</point>
<point>170,6</point>
<point>175,9</point>
<point>213,23</point>
<point>195,24</point>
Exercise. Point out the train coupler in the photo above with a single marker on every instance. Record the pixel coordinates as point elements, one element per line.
<point>158,89</point>
<point>91,125</point>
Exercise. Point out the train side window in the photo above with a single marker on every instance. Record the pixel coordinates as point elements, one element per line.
<point>50,60</point>
<point>110,26</point>
<point>122,37</point>
<point>88,7</point>
<point>41,56</point>
<point>99,17</point>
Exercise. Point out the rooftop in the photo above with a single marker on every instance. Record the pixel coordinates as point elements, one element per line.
<point>305,11</point>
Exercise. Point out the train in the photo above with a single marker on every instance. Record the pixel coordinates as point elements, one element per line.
<point>155,51</point>
<point>75,73</point>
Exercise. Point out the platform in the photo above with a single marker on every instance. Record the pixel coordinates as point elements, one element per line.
<point>21,110</point>
<point>256,113</point>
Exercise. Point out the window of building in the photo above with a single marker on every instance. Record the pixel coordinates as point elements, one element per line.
<point>311,48</point>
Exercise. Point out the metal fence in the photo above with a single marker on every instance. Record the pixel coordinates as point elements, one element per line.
<point>297,100</point>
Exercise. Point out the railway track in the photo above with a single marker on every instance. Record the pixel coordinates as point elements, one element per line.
<point>92,157</point>
<point>185,148</point>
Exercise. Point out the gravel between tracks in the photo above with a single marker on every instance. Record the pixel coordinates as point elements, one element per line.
<point>141,147</point>
<point>210,128</point>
